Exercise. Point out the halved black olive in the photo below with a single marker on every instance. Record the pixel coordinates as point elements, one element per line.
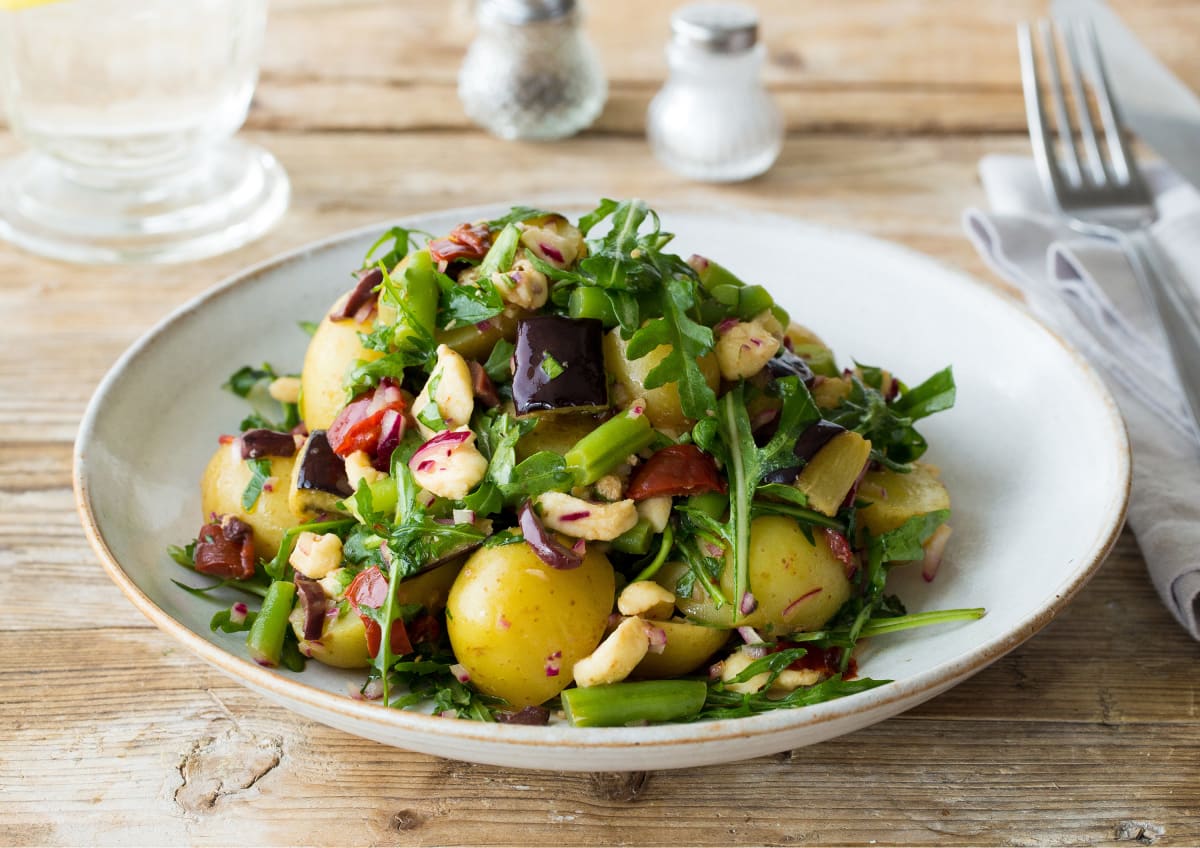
<point>313,603</point>
<point>559,365</point>
<point>257,443</point>
<point>790,364</point>
<point>816,437</point>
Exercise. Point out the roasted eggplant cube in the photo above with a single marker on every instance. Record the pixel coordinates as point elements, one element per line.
<point>559,365</point>
<point>318,478</point>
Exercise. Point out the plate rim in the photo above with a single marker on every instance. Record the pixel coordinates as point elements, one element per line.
<point>910,690</point>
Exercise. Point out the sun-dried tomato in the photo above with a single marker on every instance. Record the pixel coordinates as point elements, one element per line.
<point>676,470</point>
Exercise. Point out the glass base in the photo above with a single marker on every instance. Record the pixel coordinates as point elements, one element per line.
<point>232,197</point>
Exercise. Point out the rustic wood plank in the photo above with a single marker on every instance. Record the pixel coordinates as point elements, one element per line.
<point>195,758</point>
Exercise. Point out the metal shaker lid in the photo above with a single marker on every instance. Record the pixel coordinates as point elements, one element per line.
<point>519,12</point>
<point>716,27</point>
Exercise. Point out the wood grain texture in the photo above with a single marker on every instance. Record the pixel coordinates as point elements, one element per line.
<point>111,734</point>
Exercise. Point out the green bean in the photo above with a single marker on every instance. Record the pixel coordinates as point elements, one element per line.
<point>606,447</point>
<point>820,359</point>
<point>591,302</point>
<point>715,274</point>
<point>265,639</point>
<point>712,504</point>
<point>620,704</point>
<point>635,540</point>
<point>752,300</point>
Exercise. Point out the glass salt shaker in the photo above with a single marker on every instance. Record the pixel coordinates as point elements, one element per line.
<point>531,73</point>
<point>714,120</point>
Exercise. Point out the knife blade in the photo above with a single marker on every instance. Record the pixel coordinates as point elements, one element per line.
<point>1155,104</point>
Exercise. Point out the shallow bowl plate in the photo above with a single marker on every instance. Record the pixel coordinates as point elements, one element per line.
<point>1034,454</point>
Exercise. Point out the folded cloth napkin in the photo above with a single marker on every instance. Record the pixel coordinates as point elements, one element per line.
<point>1085,289</point>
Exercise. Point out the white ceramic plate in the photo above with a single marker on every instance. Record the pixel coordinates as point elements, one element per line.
<point>1034,454</point>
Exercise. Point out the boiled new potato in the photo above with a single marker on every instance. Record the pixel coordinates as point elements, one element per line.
<point>798,586</point>
<point>519,626</point>
<point>556,433</point>
<point>343,641</point>
<point>332,352</point>
<point>688,646</point>
<point>897,497</point>
<point>662,403</point>
<point>225,479</point>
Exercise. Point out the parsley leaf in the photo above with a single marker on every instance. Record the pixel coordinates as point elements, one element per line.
<point>499,362</point>
<point>402,239</point>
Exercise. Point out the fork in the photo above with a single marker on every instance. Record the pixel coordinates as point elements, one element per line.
<point>1103,196</point>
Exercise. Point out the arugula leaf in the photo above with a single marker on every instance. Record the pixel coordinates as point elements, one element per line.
<point>722,703</point>
<point>934,395</point>
<point>277,566</point>
<point>496,437</point>
<point>502,252</point>
<point>260,472</point>
<point>432,680</point>
<point>610,261</point>
<point>742,464</point>
<point>517,215</point>
<point>798,412</point>
<point>223,621</point>
<point>242,381</point>
<point>889,427</point>
<point>606,207</point>
<point>185,555</point>
<point>485,500</point>
<point>688,340</point>
<point>309,327</point>
<point>402,239</point>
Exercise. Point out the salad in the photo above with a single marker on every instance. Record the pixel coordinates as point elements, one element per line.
<point>536,465</point>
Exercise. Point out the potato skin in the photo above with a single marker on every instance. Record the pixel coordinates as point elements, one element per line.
<point>784,567</point>
<point>332,351</point>
<point>897,497</point>
<point>221,487</point>
<point>509,614</point>
<point>662,404</point>
<point>688,646</point>
<point>343,642</point>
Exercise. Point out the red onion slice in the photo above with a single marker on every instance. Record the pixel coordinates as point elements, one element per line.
<point>790,608</point>
<point>657,637</point>
<point>935,547</point>
<point>749,635</point>
<point>551,252</point>
<point>747,604</point>
<point>440,445</point>
<point>391,431</point>
<point>548,549</point>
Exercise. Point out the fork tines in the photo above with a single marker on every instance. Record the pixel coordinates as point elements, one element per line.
<point>1070,173</point>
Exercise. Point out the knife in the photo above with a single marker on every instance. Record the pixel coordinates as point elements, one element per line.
<point>1160,109</point>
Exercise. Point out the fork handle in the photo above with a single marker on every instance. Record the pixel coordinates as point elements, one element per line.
<point>1176,308</point>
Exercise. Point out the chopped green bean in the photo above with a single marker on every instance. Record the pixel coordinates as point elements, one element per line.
<point>591,302</point>
<point>820,359</point>
<point>712,504</point>
<point>752,300</point>
<point>418,290</point>
<point>715,274</point>
<point>265,640</point>
<point>620,704</point>
<point>635,540</point>
<point>606,447</point>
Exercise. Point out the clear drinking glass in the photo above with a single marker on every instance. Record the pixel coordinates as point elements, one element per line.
<point>129,108</point>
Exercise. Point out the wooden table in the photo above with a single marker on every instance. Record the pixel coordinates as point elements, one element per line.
<point>110,733</point>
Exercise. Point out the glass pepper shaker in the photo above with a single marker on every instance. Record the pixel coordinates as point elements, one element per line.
<point>531,73</point>
<point>713,120</point>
